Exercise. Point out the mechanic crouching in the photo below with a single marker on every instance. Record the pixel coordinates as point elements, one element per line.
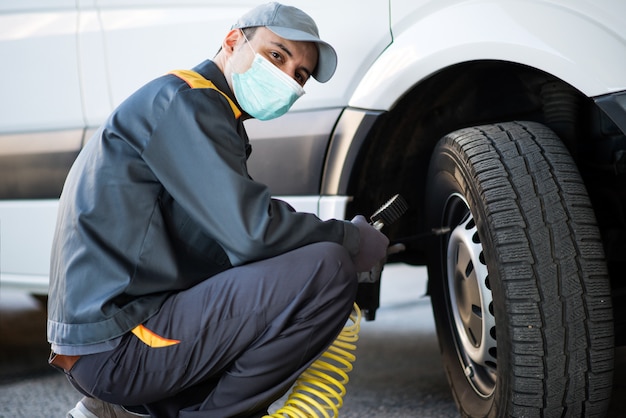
<point>179,287</point>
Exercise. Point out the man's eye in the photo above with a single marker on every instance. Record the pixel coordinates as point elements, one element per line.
<point>301,78</point>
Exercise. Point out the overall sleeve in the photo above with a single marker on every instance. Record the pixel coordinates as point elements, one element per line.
<point>198,156</point>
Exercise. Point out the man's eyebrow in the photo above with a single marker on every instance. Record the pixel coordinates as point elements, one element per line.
<point>283,47</point>
<point>288,52</point>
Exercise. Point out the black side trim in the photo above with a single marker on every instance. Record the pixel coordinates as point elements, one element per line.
<point>350,134</point>
<point>288,153</point>
<point>34,176</point>
<point>614,105</point>
<point>34,165</point>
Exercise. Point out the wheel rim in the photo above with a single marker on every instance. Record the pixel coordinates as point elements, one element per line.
<point>469,298</point>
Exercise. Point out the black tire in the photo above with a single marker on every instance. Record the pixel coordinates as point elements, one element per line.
<point>519,286</point>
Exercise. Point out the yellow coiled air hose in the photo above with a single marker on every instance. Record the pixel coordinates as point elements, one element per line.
<point>320,388</point>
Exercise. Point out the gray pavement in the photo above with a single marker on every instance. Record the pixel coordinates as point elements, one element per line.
<point>398,371</point>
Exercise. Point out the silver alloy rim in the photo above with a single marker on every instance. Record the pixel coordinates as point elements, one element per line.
<point>471,305</point>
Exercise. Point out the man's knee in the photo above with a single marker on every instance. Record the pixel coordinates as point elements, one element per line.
<point>332,251</point>
<point>332,263</point>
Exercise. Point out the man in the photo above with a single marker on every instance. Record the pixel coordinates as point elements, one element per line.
<point>178,285</point>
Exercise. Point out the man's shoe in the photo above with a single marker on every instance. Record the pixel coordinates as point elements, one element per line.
<point>95,408</point>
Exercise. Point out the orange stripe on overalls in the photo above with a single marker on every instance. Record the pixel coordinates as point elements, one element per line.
<point>151,339</point>
<point>196,81</point>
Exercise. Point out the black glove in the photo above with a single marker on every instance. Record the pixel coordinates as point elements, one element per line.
<point>372,245</point>
<point>373,275</point>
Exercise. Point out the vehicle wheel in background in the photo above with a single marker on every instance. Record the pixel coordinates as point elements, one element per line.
<point>519,285</point>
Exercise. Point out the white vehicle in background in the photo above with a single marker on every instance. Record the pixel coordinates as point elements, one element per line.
<point>501,122</point>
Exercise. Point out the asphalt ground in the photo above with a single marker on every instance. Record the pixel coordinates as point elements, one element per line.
<point>397,373</point>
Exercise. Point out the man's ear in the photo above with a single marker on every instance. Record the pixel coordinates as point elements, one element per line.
<point>233,37</point>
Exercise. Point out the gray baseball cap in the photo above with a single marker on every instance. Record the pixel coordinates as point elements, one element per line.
<point>292,24</point>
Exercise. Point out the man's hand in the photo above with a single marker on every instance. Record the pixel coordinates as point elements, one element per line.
<point>372,245</point>
<point>373,275</point>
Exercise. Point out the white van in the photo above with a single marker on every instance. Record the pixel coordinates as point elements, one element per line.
<point>501,122</point>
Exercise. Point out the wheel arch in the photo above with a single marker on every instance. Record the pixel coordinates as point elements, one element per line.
<point>372,154</point>
<point>580,42</point>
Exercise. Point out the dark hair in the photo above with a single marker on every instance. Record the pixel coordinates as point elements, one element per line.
<point>249,32</point>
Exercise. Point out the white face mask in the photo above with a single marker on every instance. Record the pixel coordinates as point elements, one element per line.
<point>264,91</point>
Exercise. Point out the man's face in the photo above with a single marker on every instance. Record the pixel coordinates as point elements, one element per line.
<point>296,59</point>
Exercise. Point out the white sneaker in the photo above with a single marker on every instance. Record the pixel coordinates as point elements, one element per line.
<point>95,408</point>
